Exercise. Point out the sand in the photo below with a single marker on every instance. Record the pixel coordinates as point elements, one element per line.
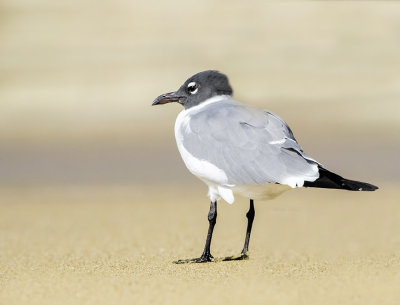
<point>115,245</point>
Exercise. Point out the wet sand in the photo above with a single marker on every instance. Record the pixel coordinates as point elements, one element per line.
<point>115,245</point>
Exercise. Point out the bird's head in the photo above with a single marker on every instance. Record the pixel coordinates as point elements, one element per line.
<point>197,89</point>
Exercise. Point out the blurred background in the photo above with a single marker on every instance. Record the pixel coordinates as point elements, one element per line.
<point>77,79</point>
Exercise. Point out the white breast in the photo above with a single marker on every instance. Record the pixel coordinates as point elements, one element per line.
<point>200,168</point>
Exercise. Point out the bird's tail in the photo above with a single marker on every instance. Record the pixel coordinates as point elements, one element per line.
<point>331,180</point>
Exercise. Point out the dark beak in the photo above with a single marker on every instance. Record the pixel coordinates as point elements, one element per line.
<point>167,98</point>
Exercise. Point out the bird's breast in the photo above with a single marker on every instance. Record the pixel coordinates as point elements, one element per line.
<point>203,169</point>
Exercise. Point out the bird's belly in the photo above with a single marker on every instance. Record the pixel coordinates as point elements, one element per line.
<point>260,191</point>
<point>217,181</point>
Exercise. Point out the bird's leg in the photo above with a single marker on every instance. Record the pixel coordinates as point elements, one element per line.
<point>250,217</point>
<point>206,256</point>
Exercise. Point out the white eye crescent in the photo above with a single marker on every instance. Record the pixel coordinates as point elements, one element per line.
<point>192,87</point>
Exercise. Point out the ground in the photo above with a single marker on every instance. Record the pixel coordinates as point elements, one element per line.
<point>115,245</point>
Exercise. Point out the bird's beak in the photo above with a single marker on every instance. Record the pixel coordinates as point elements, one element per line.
<point>167,98</point>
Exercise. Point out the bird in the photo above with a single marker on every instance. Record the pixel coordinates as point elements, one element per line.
<point>238,149</point>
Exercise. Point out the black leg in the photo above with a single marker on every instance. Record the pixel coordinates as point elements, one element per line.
<point>212,219</point>
<point>206,256</point>
<point>250,217</point>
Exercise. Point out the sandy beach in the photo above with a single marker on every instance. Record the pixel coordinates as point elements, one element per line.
<point>115,245</point>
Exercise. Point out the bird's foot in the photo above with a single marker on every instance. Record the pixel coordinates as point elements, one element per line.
<point>205,258</point>
<point>240,257</point>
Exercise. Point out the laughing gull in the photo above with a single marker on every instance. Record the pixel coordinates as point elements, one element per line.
<point>237,149</point>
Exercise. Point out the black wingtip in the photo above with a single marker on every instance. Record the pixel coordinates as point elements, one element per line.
<point>331,180</point>
<point>359,186</point>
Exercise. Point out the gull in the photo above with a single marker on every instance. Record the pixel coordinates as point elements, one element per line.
<point>238,149</point>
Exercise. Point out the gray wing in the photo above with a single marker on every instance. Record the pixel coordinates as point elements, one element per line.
<point>251,146</point>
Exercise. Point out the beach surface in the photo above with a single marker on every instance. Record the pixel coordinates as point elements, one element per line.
<point>115,245</point>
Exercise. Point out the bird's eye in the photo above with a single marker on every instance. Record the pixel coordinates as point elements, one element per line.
<point>192,88</point>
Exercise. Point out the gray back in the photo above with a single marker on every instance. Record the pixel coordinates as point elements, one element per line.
<point>251,146</point>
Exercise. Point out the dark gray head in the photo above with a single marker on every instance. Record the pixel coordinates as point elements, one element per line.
<point>197,89</point>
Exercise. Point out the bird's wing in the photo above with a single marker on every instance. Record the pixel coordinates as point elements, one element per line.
<point>250,146</point>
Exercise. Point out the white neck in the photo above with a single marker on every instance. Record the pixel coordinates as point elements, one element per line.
<point>208,101</point>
